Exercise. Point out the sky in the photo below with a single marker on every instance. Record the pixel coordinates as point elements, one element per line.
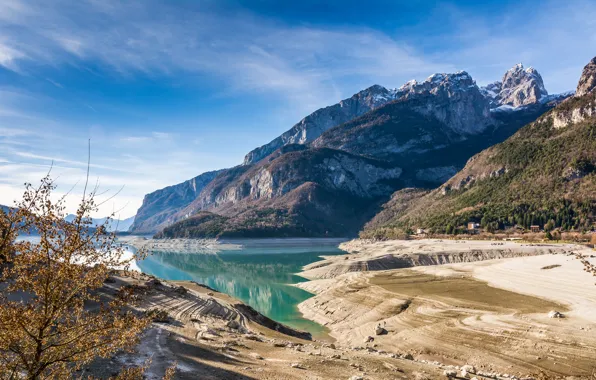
<point>166,90</point>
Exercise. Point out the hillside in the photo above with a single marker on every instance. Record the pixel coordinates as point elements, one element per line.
<point>160,205</point>
<point>296,191</point>
<point>344,161</point>
<point>544,172</point>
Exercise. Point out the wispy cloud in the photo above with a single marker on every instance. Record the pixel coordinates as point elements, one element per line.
<point>247,52</point>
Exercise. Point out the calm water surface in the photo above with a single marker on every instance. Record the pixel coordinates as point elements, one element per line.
<point>259,273</point>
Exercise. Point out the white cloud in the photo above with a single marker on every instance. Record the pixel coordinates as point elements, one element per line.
<point>248,53</point>
<point>9,57</point>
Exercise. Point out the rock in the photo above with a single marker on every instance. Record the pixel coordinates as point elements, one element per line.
<point>519,87</point>
<point>158,205</point>
<point>181,290</point>
<point>380,331</point>
<point>356,377</point>
<point>450,373</point>
<point>587,81</point>
<point>153,283</point>
<point>468,368</point>
<point>233,324</point>
<point>555,314</point>
<point>256,356</point>
<point>313,125</point>
<point>253,337</point>
<point>296,365</point>
<point>408,357</point>
<point>369,339</point>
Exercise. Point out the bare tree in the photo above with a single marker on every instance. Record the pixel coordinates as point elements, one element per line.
<point>53,320</point>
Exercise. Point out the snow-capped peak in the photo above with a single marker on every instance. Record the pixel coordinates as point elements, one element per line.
<point>519,87</point>
<point>408,85</point>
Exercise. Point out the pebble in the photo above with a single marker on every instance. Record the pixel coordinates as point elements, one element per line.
<point>257,356</point>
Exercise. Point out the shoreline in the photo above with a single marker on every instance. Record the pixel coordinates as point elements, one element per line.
<point>234,249</point>
<point>445,301</point>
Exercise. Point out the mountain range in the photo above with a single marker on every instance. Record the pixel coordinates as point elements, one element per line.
<point>543,174</point>
<point>330,173</point>
<point>115,225</point>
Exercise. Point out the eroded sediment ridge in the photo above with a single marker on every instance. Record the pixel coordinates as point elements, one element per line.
<point>375,256</point>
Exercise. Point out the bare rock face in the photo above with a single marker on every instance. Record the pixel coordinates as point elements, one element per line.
<point>453,99</point>
<point>587,81</point>
<point>519,87</point>
<point>583,105</point>
<point>334,170</point>
<point>313,125</point>
<point>159,206</point>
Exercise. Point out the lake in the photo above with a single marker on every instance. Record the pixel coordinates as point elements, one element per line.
<point>259,273</point>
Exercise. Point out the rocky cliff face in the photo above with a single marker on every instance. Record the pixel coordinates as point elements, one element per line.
<point>296,191</point>
<point>321,120</point>
<point>519,87</point>
<point>452,99</point>
<point>158,207</point>
<point>587,82</point>
<point>583,105</point>
<point>279,174</point>
<point>431,130</point>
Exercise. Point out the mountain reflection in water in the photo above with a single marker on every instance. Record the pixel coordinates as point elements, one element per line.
<point>258,273</point>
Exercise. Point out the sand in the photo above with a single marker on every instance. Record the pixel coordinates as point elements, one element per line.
<point>490,313</point>
<point>365,255</point>
<point>212,336</point>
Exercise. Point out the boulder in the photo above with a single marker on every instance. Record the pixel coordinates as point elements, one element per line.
<point>555,314</point>
<point>233,324</point>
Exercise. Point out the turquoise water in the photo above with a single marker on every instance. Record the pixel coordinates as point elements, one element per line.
<point>259,273</point>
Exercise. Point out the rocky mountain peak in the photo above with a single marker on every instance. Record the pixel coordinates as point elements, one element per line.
<point>519,87</point>
<point>587,81</point>
<point>313,125</point>
<point>458,81</point>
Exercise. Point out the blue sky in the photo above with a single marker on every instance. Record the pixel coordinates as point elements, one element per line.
<point>167,90</point>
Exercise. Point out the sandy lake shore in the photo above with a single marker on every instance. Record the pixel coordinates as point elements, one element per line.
<point>450,302</point>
